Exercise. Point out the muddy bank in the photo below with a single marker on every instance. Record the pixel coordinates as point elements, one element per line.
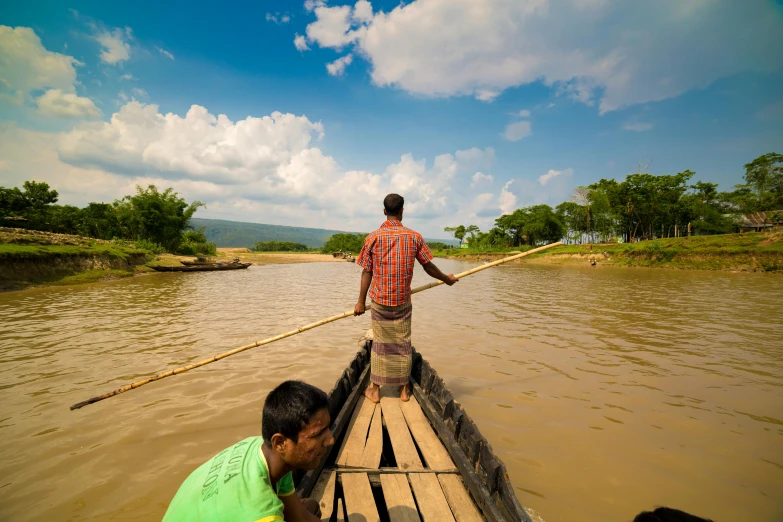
<point>16,274</point>
<point>752,252</point>
<point>31,258</point>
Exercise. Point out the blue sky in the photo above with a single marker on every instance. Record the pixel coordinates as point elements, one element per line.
<point>467,108</point>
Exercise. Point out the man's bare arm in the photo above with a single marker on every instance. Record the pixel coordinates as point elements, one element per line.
<point>365,287</point>
<point>434,271</point>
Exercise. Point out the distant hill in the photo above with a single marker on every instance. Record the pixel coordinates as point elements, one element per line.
<point>239,234</point>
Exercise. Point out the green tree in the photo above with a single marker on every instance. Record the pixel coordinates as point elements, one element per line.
<point>532,225</point>
<point>437,245</point>
<point>345,242</point>
<point>32,204</point>
<point>99,221</point>
<point>279,246</point>
<point>457,232</point>
<point>65,219</point>
<point>765,174</point>
<point>12,203</point>
<point>573,216</point>
<point>159,217</point>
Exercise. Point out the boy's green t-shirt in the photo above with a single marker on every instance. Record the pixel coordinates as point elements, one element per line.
<point>232,486</point>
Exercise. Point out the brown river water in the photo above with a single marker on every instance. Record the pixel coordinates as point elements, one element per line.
<point>605,391</point>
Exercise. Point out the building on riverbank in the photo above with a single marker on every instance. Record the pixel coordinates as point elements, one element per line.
<point>762,221</point>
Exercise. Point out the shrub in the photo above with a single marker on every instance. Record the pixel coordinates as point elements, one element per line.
<point>279,246</point>
<point>192,249</point>
<point>146,244</point>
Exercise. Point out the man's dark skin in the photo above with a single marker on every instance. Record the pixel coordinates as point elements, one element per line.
<point>283,455</point>
<point>373,391</point>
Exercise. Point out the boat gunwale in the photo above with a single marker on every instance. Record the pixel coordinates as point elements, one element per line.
<point>483,473</point>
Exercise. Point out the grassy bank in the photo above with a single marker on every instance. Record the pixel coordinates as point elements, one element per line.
<point>749,252</point>
<point>32,258</point>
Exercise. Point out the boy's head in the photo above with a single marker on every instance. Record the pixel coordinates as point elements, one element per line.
<point>296,423</point>
<point>665,514</point>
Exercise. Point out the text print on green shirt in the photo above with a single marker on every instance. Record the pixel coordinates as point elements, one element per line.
<point>232,486</point>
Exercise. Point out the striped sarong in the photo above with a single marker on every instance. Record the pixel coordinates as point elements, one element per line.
<point>390,360</point>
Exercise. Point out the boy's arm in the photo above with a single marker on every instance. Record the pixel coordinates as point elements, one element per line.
<point>294,511</point>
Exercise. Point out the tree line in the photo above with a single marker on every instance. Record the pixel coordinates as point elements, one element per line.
<point>280,246</point>
<point>154,220</point>
<point>643,206</point>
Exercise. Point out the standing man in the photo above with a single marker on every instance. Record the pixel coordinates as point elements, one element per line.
<point>387,258</point>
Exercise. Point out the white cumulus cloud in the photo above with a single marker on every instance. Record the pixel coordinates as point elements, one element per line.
<point>116,48</point>
<point>609,52</point>
<point>25,65</point>
<point>59,104</point>
<point>332,28</point>
<point>507,200</point>
<point>260,159</point>
<point>479,178</point>
<point>337,67</point>
<point>517,131</point>
<point>300,42</point>
<point>551,174</point>
<point>362,11</point>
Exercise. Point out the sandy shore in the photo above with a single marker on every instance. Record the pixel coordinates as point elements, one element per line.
<point>257,258</point>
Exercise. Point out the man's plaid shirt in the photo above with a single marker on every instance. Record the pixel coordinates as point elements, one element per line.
<point>389,253</point>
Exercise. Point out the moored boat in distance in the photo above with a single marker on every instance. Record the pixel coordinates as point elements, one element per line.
<point>201,267</point>
<point>424,459</point>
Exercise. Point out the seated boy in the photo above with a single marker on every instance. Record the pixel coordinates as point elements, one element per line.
<point>251,481</point>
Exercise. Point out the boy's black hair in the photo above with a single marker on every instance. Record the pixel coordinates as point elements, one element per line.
<point>665,514</point>
<point>393,204</point>
<point>289,407</point>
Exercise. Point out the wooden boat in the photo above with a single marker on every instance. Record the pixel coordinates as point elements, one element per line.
<point>424,459</point>
<point>201,260</point>
<point>200,267</point>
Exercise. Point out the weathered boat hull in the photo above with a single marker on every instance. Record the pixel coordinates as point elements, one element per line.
<point>201,268</point>
<point>483,474</point>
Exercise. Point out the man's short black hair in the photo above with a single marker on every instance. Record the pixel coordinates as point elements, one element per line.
<point>289,407</point>
<point>393,204</point>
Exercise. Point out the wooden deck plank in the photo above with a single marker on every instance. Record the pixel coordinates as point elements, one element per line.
<point>429,496</point>
<point>356,436</point>
<point>463,508</point>
<point>404,450</point>
<point>371,458</point>
<point>399,499</point>
<point>323,493</point>
<point>359,502</point>
<point>435,455</point>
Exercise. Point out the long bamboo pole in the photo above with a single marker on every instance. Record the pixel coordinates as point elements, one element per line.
<point>299,330</point>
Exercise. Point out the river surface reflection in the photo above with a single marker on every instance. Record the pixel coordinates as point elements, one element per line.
<point>605,391</point>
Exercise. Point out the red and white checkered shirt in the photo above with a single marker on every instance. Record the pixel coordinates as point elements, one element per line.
<point>389,253</point>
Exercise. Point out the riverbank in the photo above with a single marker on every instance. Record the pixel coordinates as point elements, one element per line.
<point>246,255</point>
<point>34,258</point>
<point>748,252</point>
<point>30,258</point>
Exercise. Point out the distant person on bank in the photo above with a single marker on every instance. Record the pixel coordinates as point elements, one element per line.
<point>251,481</point>
<point>388,258</point>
